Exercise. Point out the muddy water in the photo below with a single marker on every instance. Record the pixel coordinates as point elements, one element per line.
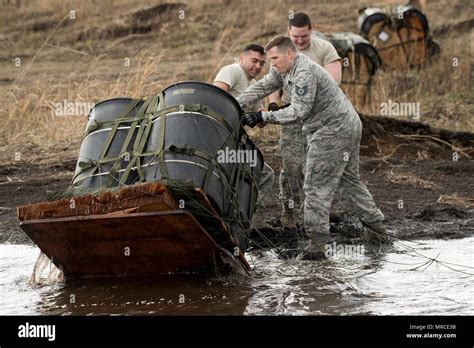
<point>370,283</point>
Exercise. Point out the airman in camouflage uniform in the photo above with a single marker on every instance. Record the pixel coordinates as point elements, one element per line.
<point>333,131</point>
<point>292,142</point>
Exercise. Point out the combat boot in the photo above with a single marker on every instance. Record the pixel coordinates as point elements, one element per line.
<point>313,249</point>
<point>287,219</point>
<point>379,233</point>
<point>313,253</point>
<point>258,220</point>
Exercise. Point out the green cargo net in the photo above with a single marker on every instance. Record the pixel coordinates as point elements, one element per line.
<point>140,125</point>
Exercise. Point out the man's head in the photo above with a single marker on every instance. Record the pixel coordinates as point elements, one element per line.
<point>281,52</point>
<point>299,30</point>
<point>252,60</point>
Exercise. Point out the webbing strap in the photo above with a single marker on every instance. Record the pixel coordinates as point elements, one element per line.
<point>111,135</point>
<point>232,174</point>
<point>208,175</point>
<point>136,144</point>
<point>125,111</point>
<point>118,163</point>
<point>161,141</point>
<point>135,161</point>
<point>401,43</point>
<point>200,108</point>
<point>237,177</point>
<point>95,164</point>
<point>214,164</point>
<point>198,153</point>
<point>98,125</point>
<point>145,117</point>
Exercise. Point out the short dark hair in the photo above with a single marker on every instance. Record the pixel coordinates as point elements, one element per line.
<point>255,48</point>
<point>299,20</point>
<point>282,42</point>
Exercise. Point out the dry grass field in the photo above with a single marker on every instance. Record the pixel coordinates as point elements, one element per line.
<point>50,56</point>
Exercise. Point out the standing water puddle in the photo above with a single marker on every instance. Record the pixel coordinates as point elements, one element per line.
<point>382,284</point>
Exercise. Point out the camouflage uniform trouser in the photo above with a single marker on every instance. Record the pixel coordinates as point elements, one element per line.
<point>332,164</point>
<point>293,152</point>
<point>265,184</point>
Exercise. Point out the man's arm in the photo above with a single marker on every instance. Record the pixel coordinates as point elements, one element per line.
<point>268,84</point>
<point>222,85</point>
<point>302,98</point>
<point>227,77</point>
<point>274,97</point>
<point>334,69</point>
<point>331,60</point>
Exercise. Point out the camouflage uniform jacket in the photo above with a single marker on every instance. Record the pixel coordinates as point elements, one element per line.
<point>316,99</point>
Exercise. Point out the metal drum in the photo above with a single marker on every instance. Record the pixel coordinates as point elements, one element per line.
<point>93,143</point>
<point>218,100</point>
<point>196,123</point>
<point>248,192</point>
<point>186,130</point>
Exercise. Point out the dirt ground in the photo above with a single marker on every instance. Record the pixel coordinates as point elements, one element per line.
<point>422,184</point>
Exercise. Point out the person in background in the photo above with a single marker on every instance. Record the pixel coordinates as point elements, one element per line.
<point>235,79</point>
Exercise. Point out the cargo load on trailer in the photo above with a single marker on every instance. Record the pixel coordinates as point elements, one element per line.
<point>400,34</point>
<point>154,180</point>
<point>359,60</point>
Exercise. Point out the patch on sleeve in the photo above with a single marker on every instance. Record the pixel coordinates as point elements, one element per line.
<point>301,91</point>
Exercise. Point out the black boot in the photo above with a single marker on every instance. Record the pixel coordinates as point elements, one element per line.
<point>313,249</point>
<point>378,232</point>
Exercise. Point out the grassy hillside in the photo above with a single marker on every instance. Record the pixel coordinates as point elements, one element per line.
<point>50,56</point>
